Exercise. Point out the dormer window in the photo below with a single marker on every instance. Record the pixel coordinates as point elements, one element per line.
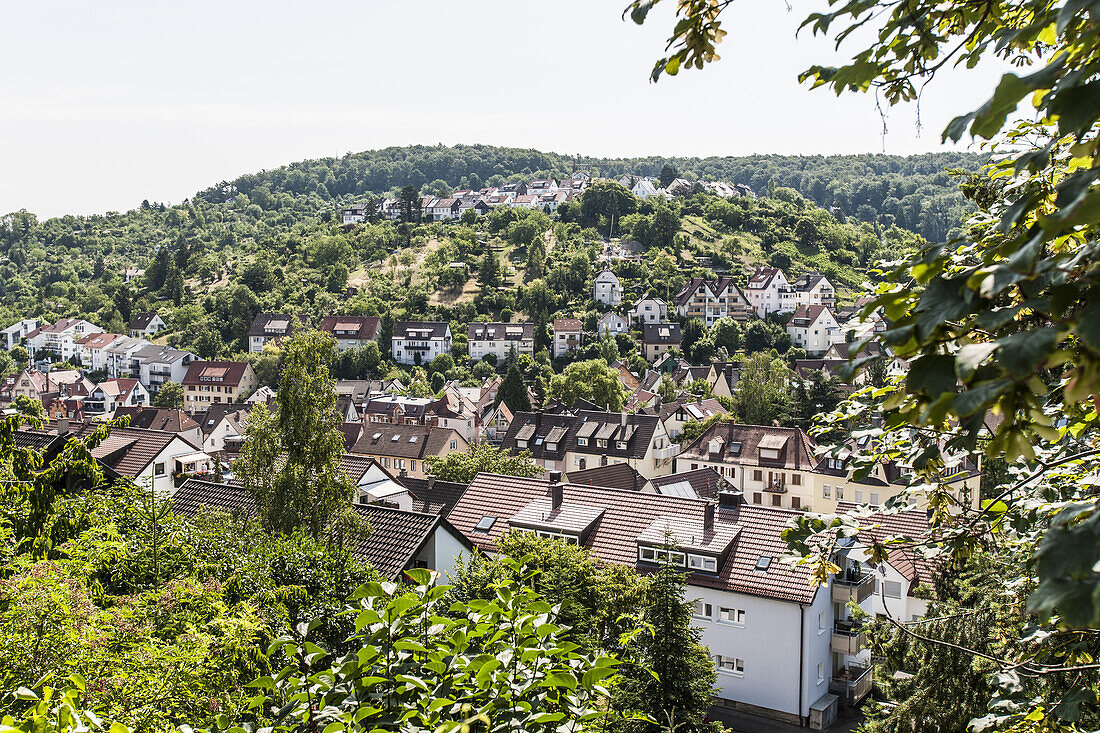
<point>582,441</point>
<point>715,446</point>
<point>621,445</point>
<point>521,443</point>
<point>769,454</point>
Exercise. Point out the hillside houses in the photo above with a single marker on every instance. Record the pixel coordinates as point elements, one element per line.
<point>270,327</point>
<point>351,332</point>
<point>710,300</point>
<point>500,339</point>
<point>418,342</point>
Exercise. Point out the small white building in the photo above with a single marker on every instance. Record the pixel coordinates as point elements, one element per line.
<point>810,289</point>
<point>567,335</point>
<point>418,342</point>
<point>649,309</point>
<point>13,334</point>
<point>92,349</point>
<point>611,322</point>
<point>60,337</point>
<point>500,339</point>
<point>644,188</point>
<point>145,325</point>
<point>765,290</point>
<point>814,329</point>
<point>112,394</point>
<point>607,288</point>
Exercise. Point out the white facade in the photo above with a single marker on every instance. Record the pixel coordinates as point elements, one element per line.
<point>612,323</point>
<point>644,188</point>
<point>607,289</point>
<point>13,334</point>
<point>105,398</point>
<point>502,347</point>
<point>117,357</point>
<point>767,297</point>
<point>423,340</point>
<point>815,332</point>
<point>61,337</point>
<point>155,325</point>
<point>649,310</point>
<point>153,367</point>
<point>94,356</point>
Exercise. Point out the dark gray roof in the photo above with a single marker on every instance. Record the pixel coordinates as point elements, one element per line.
<point>431,495</point>
<point>196,495</point>
<point>430,329</point>
<point>661,333</point>
<point>611,476</point>
<point>500,331</point>
<point>395,538</point>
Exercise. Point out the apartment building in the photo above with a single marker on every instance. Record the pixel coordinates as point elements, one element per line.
<point>418,342</point>
<point>711,300</point>
<point>216,382</point>
<point>500,339</point>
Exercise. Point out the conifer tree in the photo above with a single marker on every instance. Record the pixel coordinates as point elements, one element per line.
<point>513,392</point>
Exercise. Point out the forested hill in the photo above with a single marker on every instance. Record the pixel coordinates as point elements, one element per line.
<point>914,192</point>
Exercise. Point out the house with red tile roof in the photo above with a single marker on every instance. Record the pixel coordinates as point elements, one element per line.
<point>766,623</point>
<point>567,335</point>
<point>216,382</point>
<point>351,332</point>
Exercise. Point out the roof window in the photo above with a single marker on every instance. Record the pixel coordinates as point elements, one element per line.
<point>763,563</point>
<point>485,524</point>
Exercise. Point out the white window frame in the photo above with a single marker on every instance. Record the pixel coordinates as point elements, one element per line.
<point>702,610</point>
<point>731,616</point>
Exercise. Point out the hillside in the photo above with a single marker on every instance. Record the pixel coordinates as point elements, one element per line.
<point>913,192</point>
<point>265,243</point>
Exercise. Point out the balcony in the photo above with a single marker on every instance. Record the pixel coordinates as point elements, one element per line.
<point>669,451</point>
<point>852,684</point>
<point>848,638</point>
<point>849,585</point>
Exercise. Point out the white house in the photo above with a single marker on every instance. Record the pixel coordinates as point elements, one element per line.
<point>418,342</point>
<point>230,428</point>
<point>711,300</point>
<point>500,339</point>
<point>814,329</point>
<point>145,325</point>
<point>765,289</point>
<point>112,394</point>
<point>810,289</point>
<point>649,309</point>
<point>644,188</point>
<point>351,332</point>
<point>772,631</point>
<point>147,457</point>
<point>611,322</point>
<point>116,357</point>
<point>13,334</point>
<point>567,335</point>
<point>153,365</point>
<point>92,349</point>
<point>272,327</point>
<point>607,289</point>
<point>60,337</point>
<point>358,213</point>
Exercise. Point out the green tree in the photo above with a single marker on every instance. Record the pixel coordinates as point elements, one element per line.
<point>170,394</point>
<point>409,202</point>
<point>590,380</point>
<point>673,678</point>
<point>763,392</point>
<point>513,391</point>
<point>290,461</point>
<point>29,406</point>
<point>21,356</point>
<point>481,458</point>
<point>667,175</point>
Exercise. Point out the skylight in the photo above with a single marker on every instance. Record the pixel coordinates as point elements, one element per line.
<point>485,524</point>
<point>763,563</point>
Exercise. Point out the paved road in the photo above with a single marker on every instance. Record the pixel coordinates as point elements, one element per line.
<point>746,723</point>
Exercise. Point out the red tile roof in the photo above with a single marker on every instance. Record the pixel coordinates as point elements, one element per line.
<point>215,372</point>
<point>627,515</point>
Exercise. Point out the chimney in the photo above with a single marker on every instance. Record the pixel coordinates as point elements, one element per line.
<point>557,494</point>
<point>555,477</point>
<point>622,419</point>
<point>728,498</point>
<point>63,427</point>
<point>708,517</point>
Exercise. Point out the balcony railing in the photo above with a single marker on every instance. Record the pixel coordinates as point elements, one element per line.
<point>847,586</point>
<point>669,451</point>
<point>848,638</point>
<point>852,684</point>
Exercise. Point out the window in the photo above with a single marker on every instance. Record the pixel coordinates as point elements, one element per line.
<point>485,524</point>
<point>757,475</point>
<point>796,503</point>
<point>647,554</point>
<point>702,562</point>
<point>826,490</point>
<point>521,443</point>
<point>385,462</point>
<point>702,610</point>
<point>796,479</point>
<point>412,465</point>
<point>731,616</point>
<point>859,495</point>
<point>757,497</point>
<point>777,500</point>
<point>821,623</point>
<point>454,445</point>
<point>421,564</point>
<point>874,497</point>
<point>730,665</point>
<point>582,441</point>
<point>891,589</point>
<point>158,469</point>
<point>769,454</point>
<point>820,672</point>
<point>763,563</point>
<point>839,493</point>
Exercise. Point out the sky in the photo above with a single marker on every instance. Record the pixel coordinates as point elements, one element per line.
<point>105,104</point>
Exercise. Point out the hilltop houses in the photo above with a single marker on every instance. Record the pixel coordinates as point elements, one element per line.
<point>711,300</point>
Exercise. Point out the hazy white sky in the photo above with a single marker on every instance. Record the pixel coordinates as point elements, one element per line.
<point>105,104</point>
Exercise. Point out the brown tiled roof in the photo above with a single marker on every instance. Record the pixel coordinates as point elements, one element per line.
<point>913,566</point>
<point>209,418</point>
<point>168,419</point>
<point>567,324</point>
<point>403,441</point>
<point>717,287</point>
<point>355,466</point>
<point>796,453</point>
<point>196,495</point>
<point>612,476</point>
<point>130,450</point>
<point>627,515</point>
<point>215,372</point>
<point>638,433</point>
<point>351,327</point>
<point>807,315</point>
<point>99,340</point>
<point>431,495</point>
<point>275,325</point>
<point>396,537</point>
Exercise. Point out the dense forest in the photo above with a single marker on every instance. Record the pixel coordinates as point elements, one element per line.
<point>915,192</point>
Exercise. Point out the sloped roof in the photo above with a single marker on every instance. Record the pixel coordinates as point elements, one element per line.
<point>275,324</point>
<point>796,449</point>
<point>215,372</point>
<point>612,476</point>
<point>627,515</point>
<point>195,495</point>
<point>141,447</point>
<point>403,441</point>
<point>431,495</point>
<point>703,482</point>
<point>357,327</point>
<point>661,333</point>
<point>567,324</point>
<point>913,566</point>
<point>396,537</point>
<point>168,419</point>
<point>141,321</point>
<point>500,331</point>
<point>417,330</point>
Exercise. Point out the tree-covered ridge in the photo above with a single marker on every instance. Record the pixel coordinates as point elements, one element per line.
<point>914,192</point>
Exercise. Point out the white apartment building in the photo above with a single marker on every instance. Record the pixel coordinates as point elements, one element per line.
<point>814,328</point>
<point>418,342</point>
<point>765,289</point>
<point>650,309</point>
<point>607,289</point>
<point>16,332</point>
<point>499,339</point>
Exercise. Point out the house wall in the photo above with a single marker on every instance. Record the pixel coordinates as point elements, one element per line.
<point>441,553</point>
<point>435,347</point>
